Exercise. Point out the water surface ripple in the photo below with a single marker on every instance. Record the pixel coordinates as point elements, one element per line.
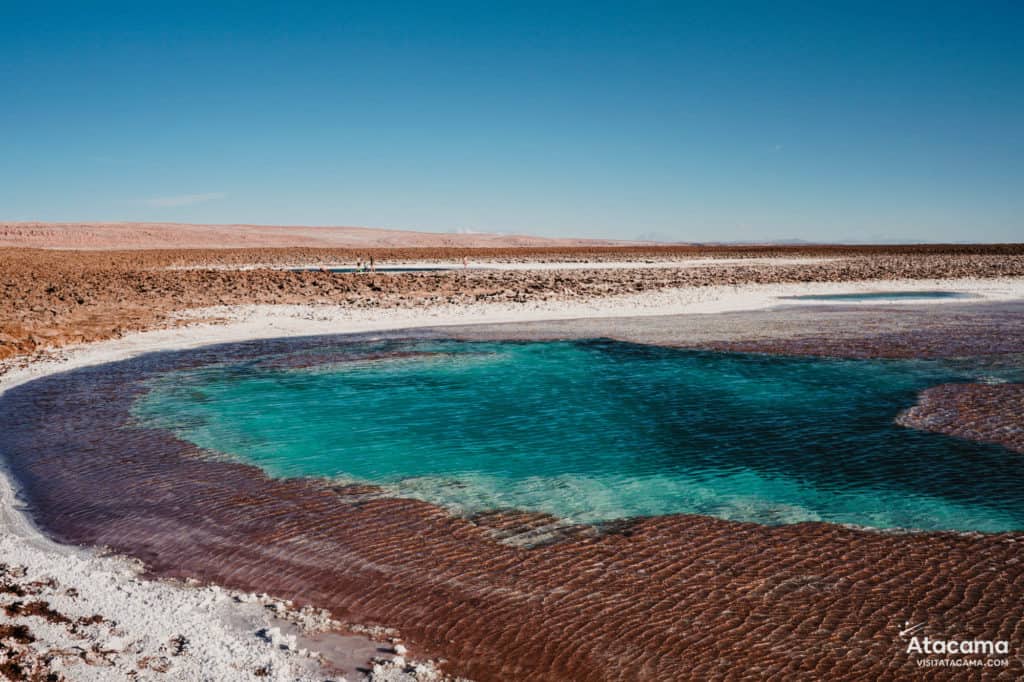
<point>592,431</point>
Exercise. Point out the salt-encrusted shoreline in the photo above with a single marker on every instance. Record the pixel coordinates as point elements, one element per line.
<point>80,614</point>
<point>207,633</point>
<point>529,264</point>
<point>94,618</point>
<point>239,323</point>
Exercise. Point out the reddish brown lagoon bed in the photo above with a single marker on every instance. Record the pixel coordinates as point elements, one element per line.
<point>668,597</point>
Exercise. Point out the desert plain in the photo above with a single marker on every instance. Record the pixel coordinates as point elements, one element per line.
<point>128,595</point>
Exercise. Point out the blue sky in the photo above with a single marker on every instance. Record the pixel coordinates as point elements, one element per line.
<point>717,121</point>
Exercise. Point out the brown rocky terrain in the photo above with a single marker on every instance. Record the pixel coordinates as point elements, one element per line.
<point>51,298</point>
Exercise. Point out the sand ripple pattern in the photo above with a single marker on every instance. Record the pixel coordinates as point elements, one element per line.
<point>664,598</point>
<point>991,413</point>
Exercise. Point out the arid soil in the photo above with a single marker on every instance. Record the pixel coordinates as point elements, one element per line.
<point>51,298</point>
<point>186,236</point>
<point>665,598</point>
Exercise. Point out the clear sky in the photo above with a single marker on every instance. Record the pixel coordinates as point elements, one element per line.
<point>718,121</point>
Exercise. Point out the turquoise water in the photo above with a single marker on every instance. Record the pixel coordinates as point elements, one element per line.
<point>880,295</point>
<point>599,430</point>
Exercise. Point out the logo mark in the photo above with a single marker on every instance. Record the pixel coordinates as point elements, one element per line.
<point>909,629</point>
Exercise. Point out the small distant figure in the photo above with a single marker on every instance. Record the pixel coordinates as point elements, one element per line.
<point>373,264</point>
<point>465,262</point>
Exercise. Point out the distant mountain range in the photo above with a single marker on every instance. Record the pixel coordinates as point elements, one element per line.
<point>184,236</point>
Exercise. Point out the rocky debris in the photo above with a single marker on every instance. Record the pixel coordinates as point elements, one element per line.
<point>39,643</point>
<point>398,669</point>
<point>40,609</point>
<point>274,637</point>
<point>375,631</point>
<point>54,298</point>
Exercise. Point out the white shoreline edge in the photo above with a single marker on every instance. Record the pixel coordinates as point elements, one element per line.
<point>514,265</point>
<point>224,645</point>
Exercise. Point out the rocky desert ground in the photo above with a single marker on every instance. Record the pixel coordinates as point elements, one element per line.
<point>49,298</point>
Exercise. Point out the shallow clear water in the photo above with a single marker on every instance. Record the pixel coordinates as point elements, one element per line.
<point>599,430</point>
<point>879,295</point>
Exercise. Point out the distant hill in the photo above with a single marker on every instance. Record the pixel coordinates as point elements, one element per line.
<point>179,235</point>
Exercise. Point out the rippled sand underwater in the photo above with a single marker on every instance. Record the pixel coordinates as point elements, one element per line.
<point>593,431</point>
